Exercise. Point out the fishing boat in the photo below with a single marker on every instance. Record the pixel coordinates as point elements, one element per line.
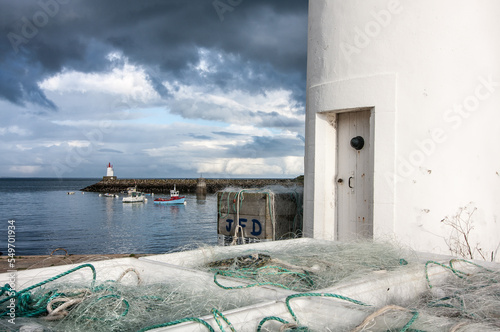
<point>134,197</point>
<point>173,199</point>
<point>108,195</point>
<point>131,190</point>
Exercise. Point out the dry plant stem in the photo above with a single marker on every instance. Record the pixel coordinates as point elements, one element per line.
<point>459,241</point>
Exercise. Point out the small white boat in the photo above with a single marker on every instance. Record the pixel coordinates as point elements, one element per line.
<point>134,197</point>
<point>71,192</point>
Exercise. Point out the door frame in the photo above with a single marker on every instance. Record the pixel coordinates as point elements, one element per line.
<point>378,93</point>
<point>370,170</point>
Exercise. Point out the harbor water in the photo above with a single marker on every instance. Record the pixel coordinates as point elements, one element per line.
<point>46,218</point>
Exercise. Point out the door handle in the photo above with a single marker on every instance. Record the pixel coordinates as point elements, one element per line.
<point>349,182</point>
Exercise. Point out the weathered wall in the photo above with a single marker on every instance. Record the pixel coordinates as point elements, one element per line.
<point>263,214</point>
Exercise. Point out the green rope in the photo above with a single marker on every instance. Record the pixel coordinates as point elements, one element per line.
<point>54,278</point>
<point>5,289</point>
<point>216,313</point>
<point>179,321</point>
<point>123,314</point>
<point>244,286</point>
<point>450,267</point>
<point>252,274</point>
<point>304,328</point>
<point>437,303</point>
<point>337,296</point>
<point>28,310</point>
<point>229,204</point>
<point>27,306</point>
<point>303,276</point>
<point>457,296</point>
<point>259,328</point>
<point>468,262</point>
<point>240,202</point>
<point>427,272</point>
<point>278,319</point>
<point>412,320</point>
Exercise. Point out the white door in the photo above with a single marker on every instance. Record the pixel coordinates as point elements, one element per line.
<point>354,176</point>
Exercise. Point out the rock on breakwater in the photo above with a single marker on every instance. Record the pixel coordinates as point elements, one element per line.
<point>185,185</point>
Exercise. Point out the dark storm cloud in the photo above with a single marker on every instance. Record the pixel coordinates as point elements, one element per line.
<point>259,44</point>
<point>226,133</point>
<point>17,84</point>
<point>267,147</point>
<point>274,119</point>
<point>200,137</point>
<point>110,150</point>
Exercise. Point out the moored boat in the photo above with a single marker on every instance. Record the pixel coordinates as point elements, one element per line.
<point>173,199</point>
<point>131,190</point>
<point>134,197</point>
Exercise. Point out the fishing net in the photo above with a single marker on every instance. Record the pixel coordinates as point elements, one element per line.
<point>470,295</point>
<point>468,299</point>
<point>310,266</point>
<point>115,306</point>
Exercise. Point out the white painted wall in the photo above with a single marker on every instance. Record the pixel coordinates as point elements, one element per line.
<point>430,70</point>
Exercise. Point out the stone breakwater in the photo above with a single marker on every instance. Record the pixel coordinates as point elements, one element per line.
<point>185,185</point>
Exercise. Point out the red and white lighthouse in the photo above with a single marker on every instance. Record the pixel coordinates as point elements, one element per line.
<point>110,174</point>
<point>110,171</point>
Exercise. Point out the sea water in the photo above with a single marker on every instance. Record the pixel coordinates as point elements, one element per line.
<point>46,218</point>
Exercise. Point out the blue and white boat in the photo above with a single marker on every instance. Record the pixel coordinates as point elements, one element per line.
<point>173,199</point>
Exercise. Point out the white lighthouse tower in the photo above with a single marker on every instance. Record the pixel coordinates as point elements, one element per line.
<point>110,174</point>
<point>403,101</point>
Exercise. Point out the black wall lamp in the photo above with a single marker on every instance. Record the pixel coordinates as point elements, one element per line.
<point>357,142</point>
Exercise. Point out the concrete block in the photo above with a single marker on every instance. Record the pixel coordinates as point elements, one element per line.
<point>263,214</point>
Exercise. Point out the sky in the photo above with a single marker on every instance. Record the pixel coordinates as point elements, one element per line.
<point>158,88</point>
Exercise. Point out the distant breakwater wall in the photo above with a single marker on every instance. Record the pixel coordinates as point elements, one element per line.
<point>185,185</point>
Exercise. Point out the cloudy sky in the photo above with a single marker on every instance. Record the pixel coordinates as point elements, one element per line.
<point>159,88</point>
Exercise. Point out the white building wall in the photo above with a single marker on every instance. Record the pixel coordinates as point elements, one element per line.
<point>430,70</point>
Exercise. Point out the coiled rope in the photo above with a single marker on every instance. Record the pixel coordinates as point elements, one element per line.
<point>27,306</point>
<point>216,314</point>
<point>252,274</point>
